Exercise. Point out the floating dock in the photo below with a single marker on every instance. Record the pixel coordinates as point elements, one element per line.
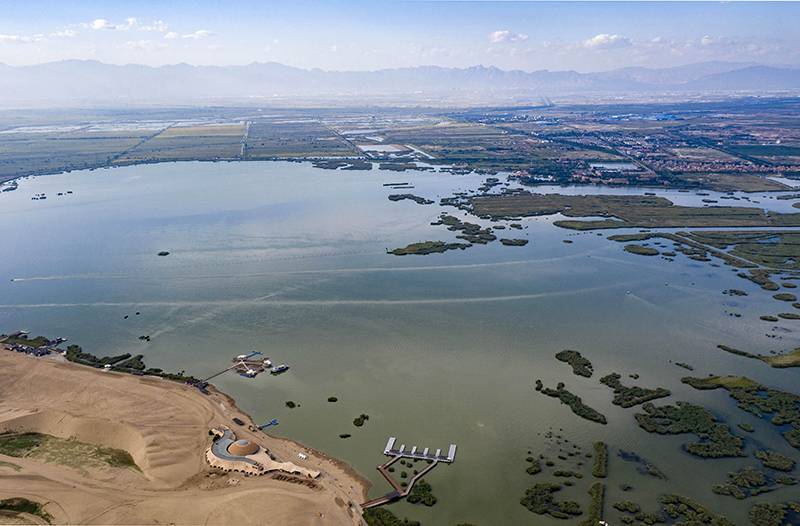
<point>396,454</point>
<point>415,454</point>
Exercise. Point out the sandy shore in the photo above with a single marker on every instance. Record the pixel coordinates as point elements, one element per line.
<point>164,425</point>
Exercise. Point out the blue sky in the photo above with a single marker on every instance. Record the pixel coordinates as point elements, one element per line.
<point>582,36</point>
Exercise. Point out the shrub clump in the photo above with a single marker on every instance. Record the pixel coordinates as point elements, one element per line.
<point>774,460</point>
<point>580,365</point>
<point>600,459</point>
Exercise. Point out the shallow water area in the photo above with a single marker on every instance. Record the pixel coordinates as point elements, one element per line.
<point>439,349</point>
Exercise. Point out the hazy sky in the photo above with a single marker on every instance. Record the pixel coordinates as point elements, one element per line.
<point>584,36</point>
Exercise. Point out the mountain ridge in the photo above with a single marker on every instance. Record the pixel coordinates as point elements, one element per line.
<point>74,80</point>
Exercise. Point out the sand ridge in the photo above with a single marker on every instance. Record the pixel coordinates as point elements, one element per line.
<point>164,425</point>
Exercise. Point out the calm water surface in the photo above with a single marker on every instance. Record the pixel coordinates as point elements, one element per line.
<point>446,348</point>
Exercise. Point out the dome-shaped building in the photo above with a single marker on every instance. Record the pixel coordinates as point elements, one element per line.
<point>242,448</point>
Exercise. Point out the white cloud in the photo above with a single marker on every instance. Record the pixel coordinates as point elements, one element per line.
<point>157,25</point>
<point>172,34</point>
<point>16,39</point>
<point>203,33</point>
<point>66,33</point>
<point>506,36</point>
<point>102,23</point>
<point>606,41</point>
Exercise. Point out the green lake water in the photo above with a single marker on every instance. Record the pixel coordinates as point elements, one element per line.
<point>440,349</point>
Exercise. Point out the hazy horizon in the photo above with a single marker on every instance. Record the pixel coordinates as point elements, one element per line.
<point>359,36</point>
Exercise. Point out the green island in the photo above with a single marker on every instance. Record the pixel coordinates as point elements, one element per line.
<point>535,467</point>
<point>596,490</point>
<point>784,296</point>
<point>54,450</point>
<point>411,197</point>
<point>640,250</point>
<point>18,505</point>
<point>580,365</point>
<point>600,460</point>
<point>428,247</point>
<point>421,493</point>
<point>767,514</point>
<point>774,460</point>
<point>775,249</point>
<point>539,499</point>
<point>758,399</point>
<point>631,396</point>
<point>688,418</point>
<point>360,419</point>
<point>778,360</point>
<point>625,211</point>
<point>747,478</point>
<point>768,318</point>
<point>744,426</point>
<point>290,404</point>
<point>514,242</point>
<point>332,399</point>
<point>575,403</point>
<point>470,232</point>
<point>630,507</point>
<point>686,246</point>
<point>677,505</point>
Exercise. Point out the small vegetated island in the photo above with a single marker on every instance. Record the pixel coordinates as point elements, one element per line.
<point>631,396</point>
<point>573,401</point>
<point>777,360</point>
<point>580,365</point>
<point>758,399</point>
<point>688,418</point>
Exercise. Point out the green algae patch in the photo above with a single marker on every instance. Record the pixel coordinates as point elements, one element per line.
<point>640,250</point>
<point>631,396</point>
<point>688,418</point>
<point>580,365</point>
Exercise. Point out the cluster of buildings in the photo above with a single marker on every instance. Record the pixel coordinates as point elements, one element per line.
<point>37,351</point>
<point>229,454</point>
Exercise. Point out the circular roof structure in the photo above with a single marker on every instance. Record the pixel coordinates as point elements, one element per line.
<point>242,448</point>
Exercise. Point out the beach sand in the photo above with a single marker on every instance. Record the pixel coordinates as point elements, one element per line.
<point>164,425</point>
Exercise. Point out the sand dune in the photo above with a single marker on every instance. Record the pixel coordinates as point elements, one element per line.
<point>164,426</point>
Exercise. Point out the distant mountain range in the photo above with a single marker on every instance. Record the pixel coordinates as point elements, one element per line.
<point>78,81</point>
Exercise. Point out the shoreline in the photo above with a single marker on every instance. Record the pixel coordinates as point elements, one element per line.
<point>164,426</point>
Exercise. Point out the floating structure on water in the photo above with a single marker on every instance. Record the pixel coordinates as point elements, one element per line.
<point>413,453</point>
<point>245,366</point>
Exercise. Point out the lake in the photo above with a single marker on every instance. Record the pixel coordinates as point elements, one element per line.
<point>441,349</point>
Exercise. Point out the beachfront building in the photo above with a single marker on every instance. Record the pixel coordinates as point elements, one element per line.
<point>229,454</point>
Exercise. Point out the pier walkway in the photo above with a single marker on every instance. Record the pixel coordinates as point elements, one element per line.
<point>396,455</point>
